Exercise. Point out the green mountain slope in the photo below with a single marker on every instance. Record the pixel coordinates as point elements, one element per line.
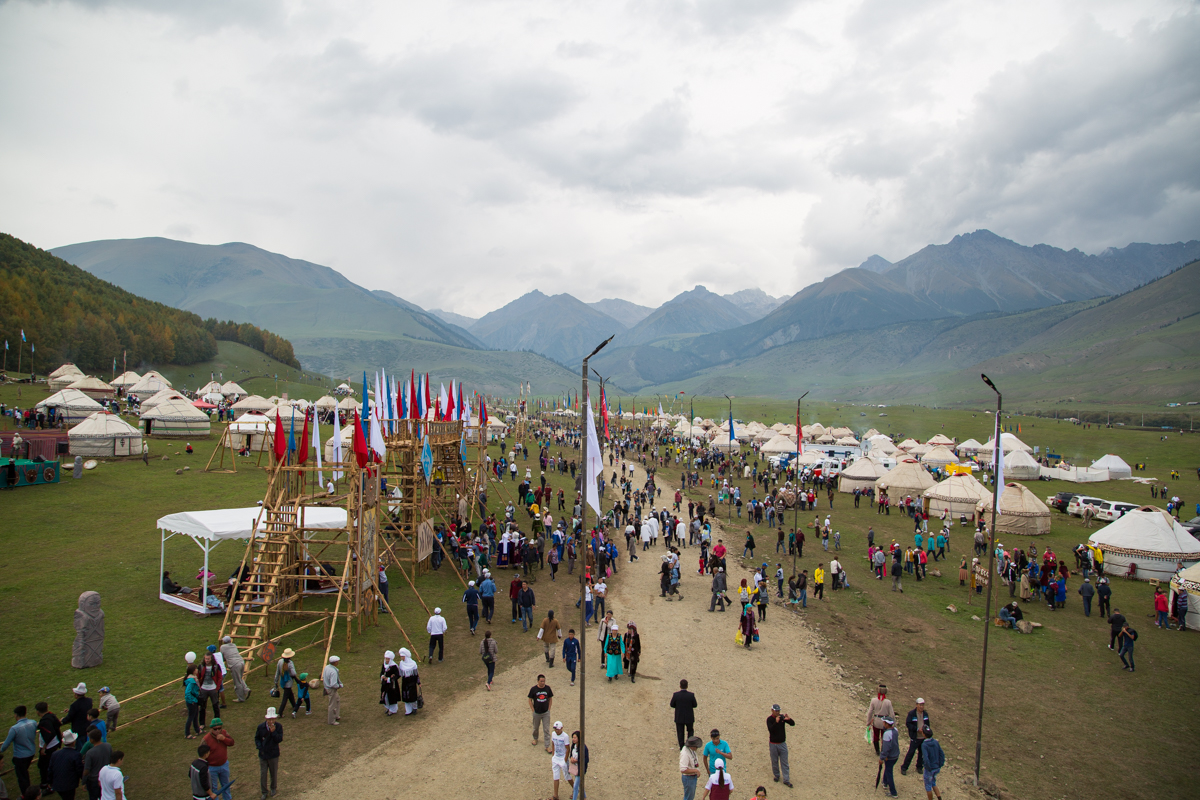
<point>560,327</point>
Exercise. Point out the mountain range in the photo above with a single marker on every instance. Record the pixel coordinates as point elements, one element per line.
<point>976,282</point>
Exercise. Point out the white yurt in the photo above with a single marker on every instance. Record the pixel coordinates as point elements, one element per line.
<point>347,434</point>
<point>94,388</point>
<point>1149,538</point>
<point>1020,466</point>
<point>825,438</point>
<point>1009,442</point>
<point>212,387</point>
<point>862,474</point>
<point>872,432</point>
<point>125,380</point>
<point>939,456</point>
<point>907,444</point>
<point>105,434</point>
<point>808,458</point>
<point>1116,466</point>
<point>1022,513</point>
<point>231,389</point>
<point>325,403</point>
<point>250,405</point>
<point>919,449</point>
<point>969,449</point>
<point>847,441</point>
<point>840,432</point>
<point>883,445</point>
<point>764,436</point>
<point>941,439</point>
<point>349,405</point>
<point>1188,580</point>
<point>175,418</point>
<point>71,404</point>
<point>250,430</point>
<point>63,377</point>
<point>778,426</point>
<point>779,445</point>
<point>161,397</point>
<point>907,478</point>
<point>149,384</point>
<point>959,493</point>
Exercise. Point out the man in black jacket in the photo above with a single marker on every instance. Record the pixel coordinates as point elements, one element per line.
<point>1115,623</point>
<point>198,773</point>
<point>50,729</point>
<point>1104,592</point>
<point>267,739</point>
<point>916,722</point>
<point>684,703</point>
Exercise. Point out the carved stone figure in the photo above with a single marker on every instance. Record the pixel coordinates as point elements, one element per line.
<point>88,650</point>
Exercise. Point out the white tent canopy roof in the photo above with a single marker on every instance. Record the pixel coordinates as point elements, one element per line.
<point>1009,442</point>
<point>940,438</point>
<point>970,445</point>
<point>64,371</point>
<point>1116,466</point>
<point>103,424</point>
<point>252,403</point>
<point>87,383</point>
<point>1149,530</point>
<point>326,402</point>
<point>230,388</point>
<point>939,455</point>
<point>175,409</point>
<point>150,382</point>
<point>126,379</point>
<point>235,523</point>
<point>779,444</point>
<point>71,399</point>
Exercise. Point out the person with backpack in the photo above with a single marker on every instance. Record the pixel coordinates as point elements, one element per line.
<point>1125,640</point>
<point>935,759</point>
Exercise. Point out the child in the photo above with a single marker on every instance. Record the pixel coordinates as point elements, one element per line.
<point>110,706</point>
<point>837,540</point>
<point>302,695</point>
<point>93,717</point>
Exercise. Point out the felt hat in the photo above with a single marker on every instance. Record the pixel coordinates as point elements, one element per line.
<point>271,713</point>
<point>81,688</point>
<point>288,653</point>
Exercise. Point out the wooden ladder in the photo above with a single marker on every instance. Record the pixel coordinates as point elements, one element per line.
<point>247,620</point>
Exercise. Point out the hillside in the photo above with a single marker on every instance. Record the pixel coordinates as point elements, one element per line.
<point>249,368</point>
<point>69,315</point>
<point>559,327</point>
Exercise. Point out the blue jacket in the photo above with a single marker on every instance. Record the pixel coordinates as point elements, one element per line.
<point>933,755</point>
<point>487,588</point>
<point>889,745</point>
<point>570,650</point>
<point>22,737</point>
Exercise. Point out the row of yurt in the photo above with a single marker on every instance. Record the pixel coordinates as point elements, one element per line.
<point>1148,539</point>
<point>70,404</point>
<point>63,377</point>
<point>105,434</point>
<point>1022,513</point>
<point>175,417</point>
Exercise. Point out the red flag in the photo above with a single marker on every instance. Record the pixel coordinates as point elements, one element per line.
<point>412,395</point>
<point>451,404</point>
<point>483,417</point>
<point>280,438</point>
<point>302,454</point>
<point>360,443</point>
<point>604,410</point>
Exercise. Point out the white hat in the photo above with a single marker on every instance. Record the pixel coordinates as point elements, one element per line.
<point>437,611</point>
<point>558,724</point>
<point>615,627</point>
<point>81,688</point>
<point>69,737</point>
<point>920,701</point>
<point>271,713</point>
<point>720,762</point>
<point>334,659</point>
<point>470,583</point>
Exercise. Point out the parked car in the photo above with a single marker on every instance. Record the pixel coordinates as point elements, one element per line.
<point>1061,500</point>
<point>1075,507</point>
<point>1193,525</point>
<point>1110,510</point>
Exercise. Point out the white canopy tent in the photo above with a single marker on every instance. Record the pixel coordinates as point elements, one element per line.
<point>230,389</point>
<point>1116,466</point>
<point>1149,538</point>
<point>959,493</point>
<point>150,383</point>
<point>250,405</point>
<point>940,456</point>
<point>209,528</point>
<point>862,475</point>
<point>1020,466</point>
<point>63,377</point>
<point>779,444</point>
<point>94,388</point>
<point>969,448</point>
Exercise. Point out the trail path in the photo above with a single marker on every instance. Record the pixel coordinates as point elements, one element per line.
<point>480,747</point>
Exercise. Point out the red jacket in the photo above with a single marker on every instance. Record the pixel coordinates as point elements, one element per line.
<point>216,673</point>
<point>514,589</point>
<point>1160,602</point>
<point>218,753</point>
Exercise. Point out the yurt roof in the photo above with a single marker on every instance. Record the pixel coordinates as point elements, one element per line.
<point>969,444</point>
<point>848,441</point>
<point>908,477</point>
<point>865,469</point>
<point>211,386</point>
<point>229,387</point>
<point>251,421</point>
<point>162,396</point>
<point>940,454</point>
<point>103,424</point>
<point>129,378</point>
<point>885,447</point>
<point>94,384</point>
<point>941,438</point>
<point>778,426</point>
<point>807,458</point>
<point>251,403</point>
<point>871,433</point>
<point>788,430</point>
<point>1016,500</point>
<point>907,443</point>
<point>779,444</point>
<point>877,437</point>
<point>349,404</point>
<point>1019,458</point>
<point>1109,462</point>
<point>1147,531</point>
<point>840,432</point>
<point>326,402</point>
<point>150,382</point>
<point>957,489</point>
<point>72,399</point>
<point>345,387</point>
<point>825,438</point>
<point>766,435</point>
<point>347,434</point>
<point>1009,442</point>
<point>175,409</point>
<point>816,428</point>
<point>1190,578</point>
<point>919,449</point>
<point>64,371</point>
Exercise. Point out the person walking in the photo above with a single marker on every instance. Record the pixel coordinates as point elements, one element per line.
<point>746,625</point>
<point>389,689</point>
<point>685,705</point>
<point>720,784</point>
<point>211,680</point>
<point>1125,640</point>
<point>22,737</point>
<point>1116,622</point>
<point>548,633</point>
<point>236,666</point>
<point>50,730</point>
<point>716,749</point>
<point>879,709</point>
<point>777,743</point>
<point>570,653</point>
<point>471,598</point>
<point>410,682</point>
<point>632,642</point>
<point>112,780</point>
<point>560,745</point>
<point>889,753</point>
<point>935,759</point>
<point>916,722</point>
<point>331,679</point>
<point>489,651</point>
<point>614,651</point>
<point>200,777</point>
<point>718,590</point>
<point>487,593</point>
<point>1087,592</point>
<point>1104,592</point>
<point>267,739</point>
<point>527,602</point>
<point>66,767</point>
<point>689,766</point>
<point>95,759</point>
<point>436,627</point>
<point>541,700</point>
<point>219,741</point>
<point>514,592</point>
<point>285,681</point>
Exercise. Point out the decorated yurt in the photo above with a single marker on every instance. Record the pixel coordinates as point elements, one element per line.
<point>1009,441</point>
<point>847,441</point>
<point>1021,512</point>
<point>105,434</point>
<point>175,418</point>
<point>1188,581</point>
<point>908,444</point>
<point>251,430</point>
<point>125,380</point>
<point>63,377</point>
<point>150,383</point>
<point>840,432</point>
<point>325,403</point>
<point>959,493</point>
<point>1116,466</point>
<point>349,405</point>
<point>1149,539</point>
<point>939,456</point>
<point>941,439</point>
<point>825,438</point>
<point>94,388</point>
<point>70,404</point>
<point>969,449</point>
<point>779,445</point>
<point>161,397</point>
<point>1020,466</point>
<point>862,475</point>
<point>908,478</point>
<point>212,387</point>
<point>250,405</point>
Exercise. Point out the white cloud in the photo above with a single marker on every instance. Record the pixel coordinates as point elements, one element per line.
<point>461,154</point>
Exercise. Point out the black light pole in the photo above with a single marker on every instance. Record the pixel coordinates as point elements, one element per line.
<point>987,616</point>
<point>729,497</point>
<point>583,572</point>
<point>796,504</point>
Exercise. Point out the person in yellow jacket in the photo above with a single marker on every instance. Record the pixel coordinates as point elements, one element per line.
<point>819,582</point>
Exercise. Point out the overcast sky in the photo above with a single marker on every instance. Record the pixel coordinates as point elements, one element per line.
<point>461,154</point>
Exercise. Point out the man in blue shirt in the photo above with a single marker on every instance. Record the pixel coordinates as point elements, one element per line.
<point>570,652</point>
<point>22,737</point>
<point>716,748</point>
<point>487,592</point>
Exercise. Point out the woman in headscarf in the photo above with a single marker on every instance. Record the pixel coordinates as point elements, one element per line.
<point>614,652</point>
<point>410,682</point>
<point>746,624</point>
<point>633,650</point>
<point>389,680</point>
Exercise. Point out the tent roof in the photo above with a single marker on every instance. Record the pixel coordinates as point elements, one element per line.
<point>1112,463</point>
<point>94,384</point>
<point>326,402</point>
<point>150,382</point>
<point>71,399</point>
<point>907,443</point>
<point>129,378</point>
<point>940,454</point>
<point>211,386</point>
<point>1009,442</point>
<point>908,477</point>
<point>841,431</point>
<point>1019,458</point>
<point>349,404</point>
<point>1017,500</point>
<point>104,424</point>
<point>779,444</point>
<point>870,433</point>
<point>229,387</point>
<point>161,396</point>
<point>250,423</point>
<point>251,403</point>
<point>175,409</point>
<point>1147,531</point>
<point>969,444</point>
<point>848,441</point>
<point>865,468</point>
<point>940,438</point>
<point>957,489</point>
<point>235,523</point>
<point>64,371</point>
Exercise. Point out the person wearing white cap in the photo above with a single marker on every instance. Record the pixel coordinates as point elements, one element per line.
<point>614,652</point>
<point>436,628</point>
<point>916,722</point>
<point>471,598</point>
<point>889,753</point>
<point>558,762</point>
<point>389,679</point>
<point>66,767</point>
<point>267,739</point>
<point>720,784</point>
<point>331,678</point>
<point>76,715</point>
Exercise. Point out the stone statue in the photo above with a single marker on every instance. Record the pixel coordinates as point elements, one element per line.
<point>88,650</point>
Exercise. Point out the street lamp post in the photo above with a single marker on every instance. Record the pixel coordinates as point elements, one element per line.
<point>987,616</point>
<point>583,572</point>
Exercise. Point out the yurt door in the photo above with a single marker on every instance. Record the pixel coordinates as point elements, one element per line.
<point>121,446</point>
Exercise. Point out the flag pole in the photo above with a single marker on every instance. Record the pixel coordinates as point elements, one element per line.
<point>796,504</point>
<point>987,616</point>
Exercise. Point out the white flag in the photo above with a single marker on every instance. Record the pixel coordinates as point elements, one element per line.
<point>316,445</point>
<point>337,444</point>
<point>377,443</point>
<point>998,461</point>
<point>595,462</point>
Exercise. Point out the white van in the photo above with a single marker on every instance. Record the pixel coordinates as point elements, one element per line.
<point>1110,510</point>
